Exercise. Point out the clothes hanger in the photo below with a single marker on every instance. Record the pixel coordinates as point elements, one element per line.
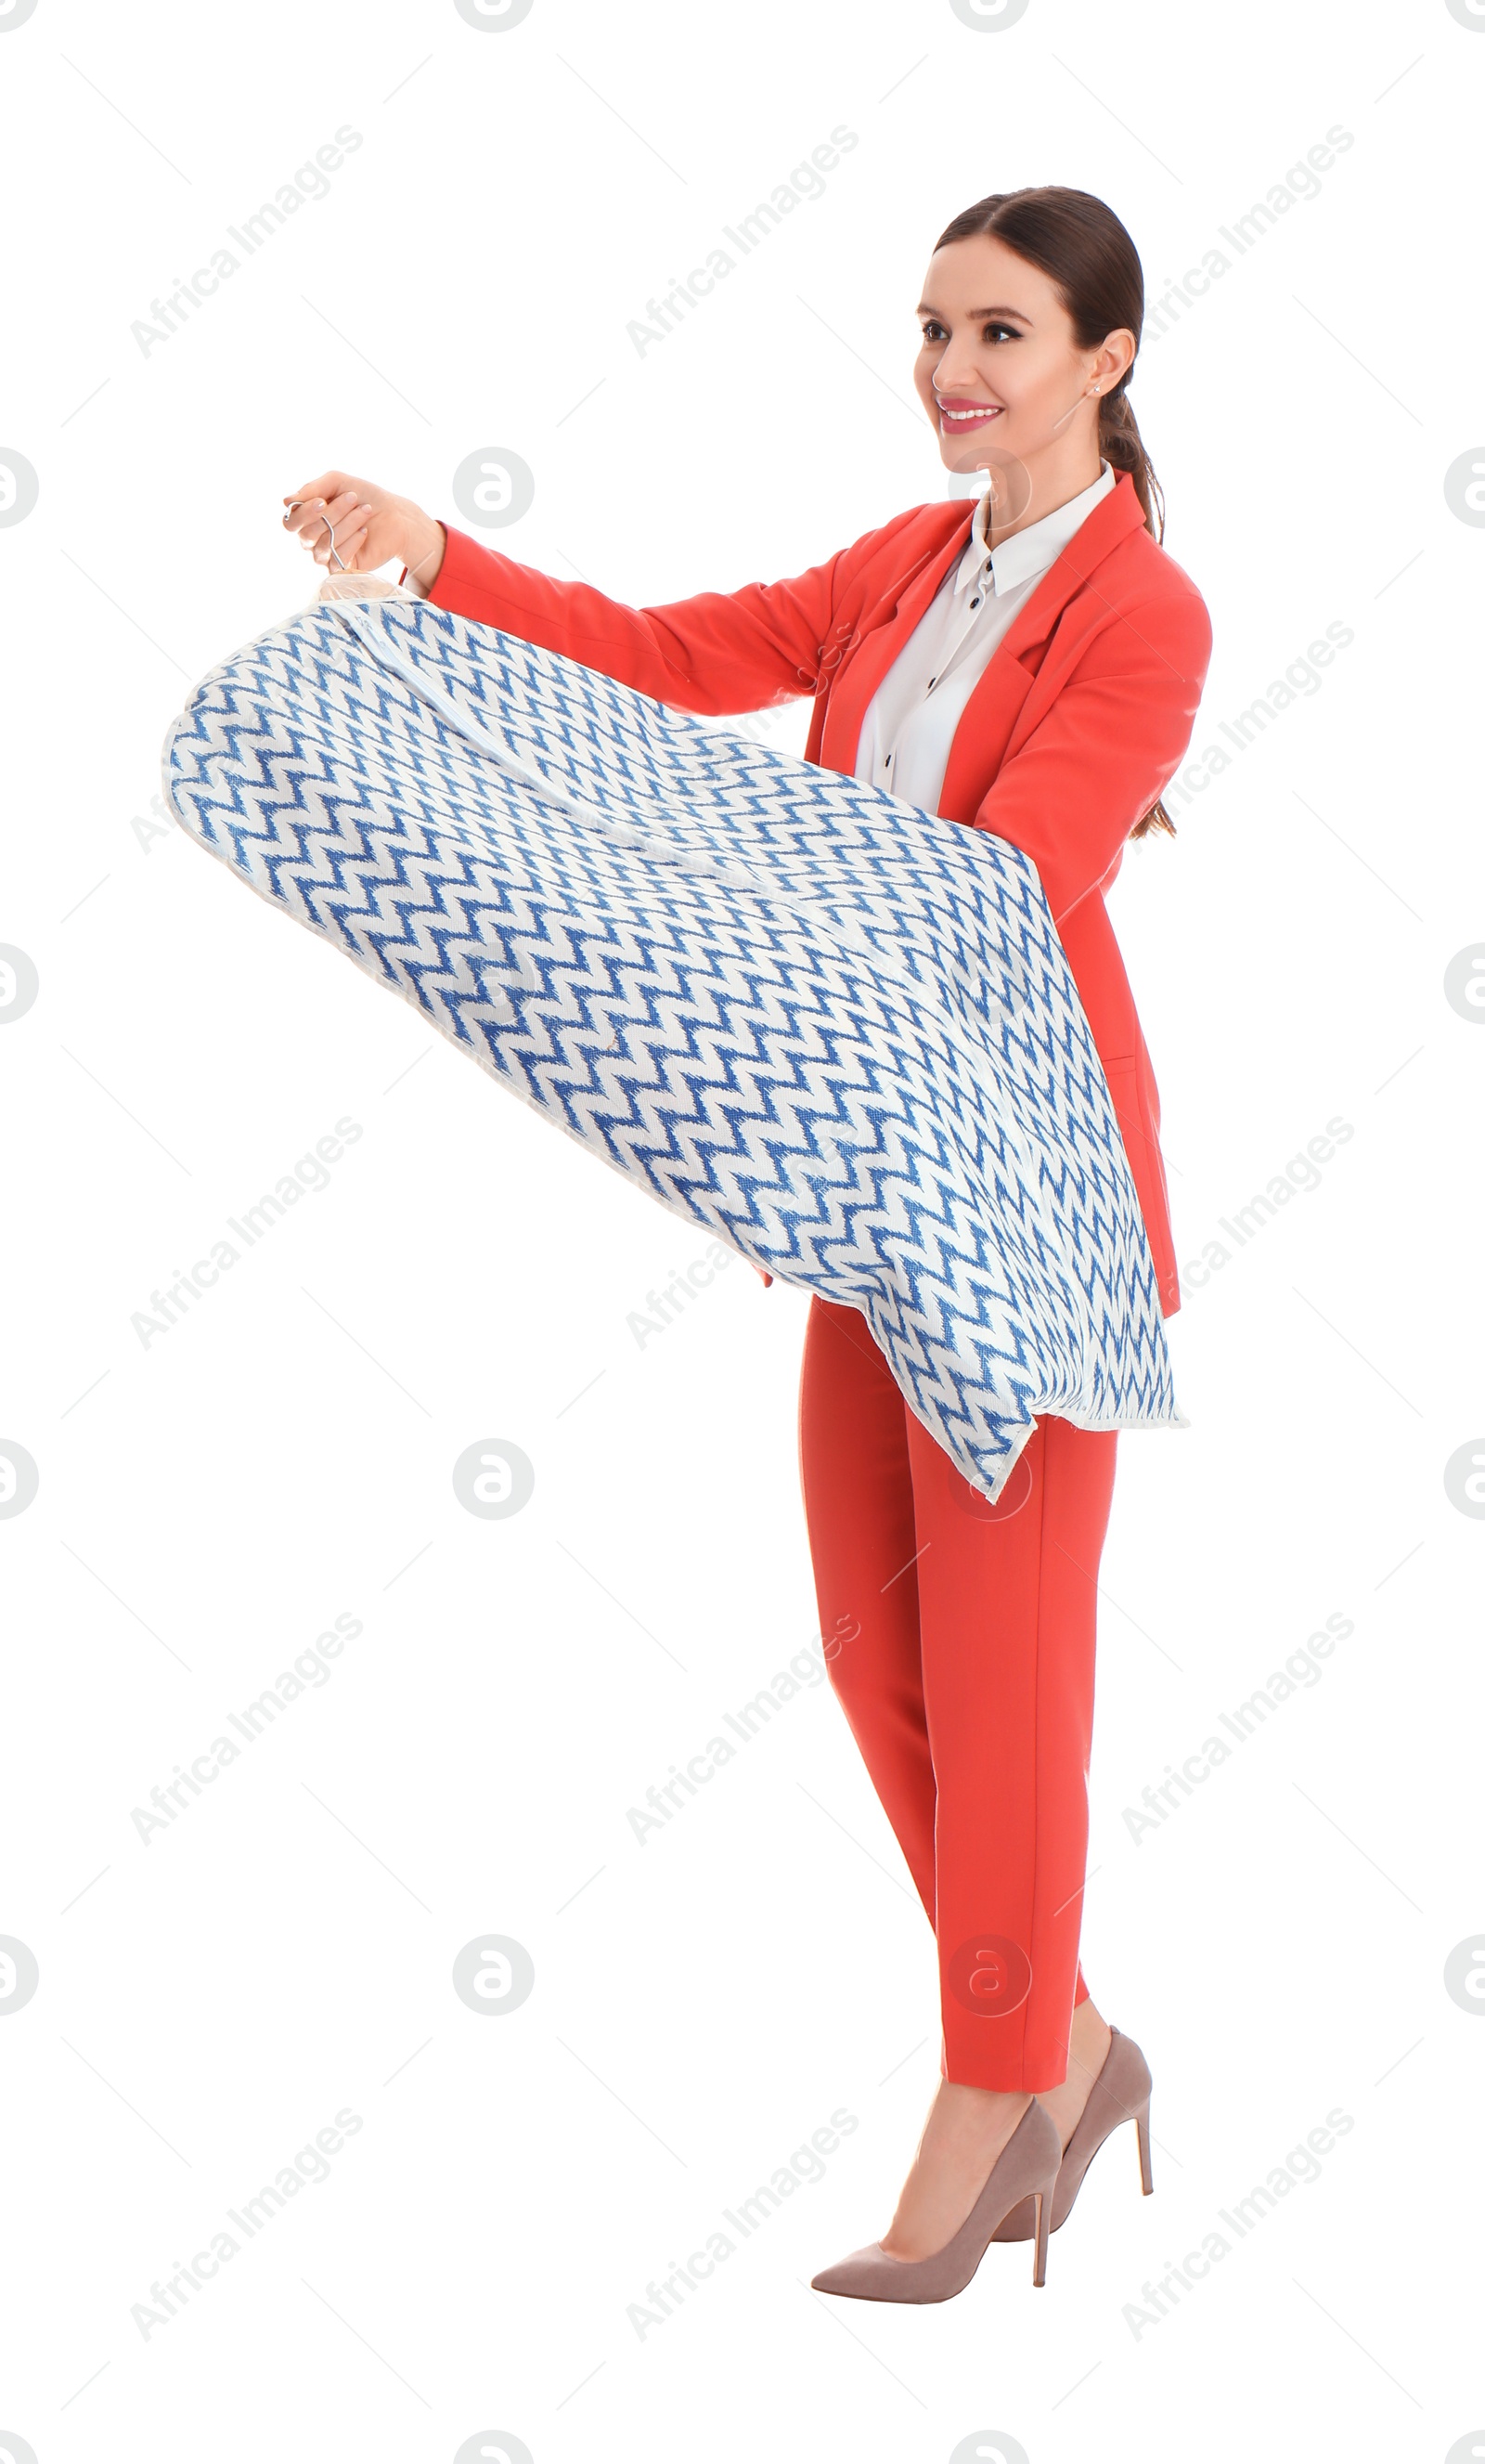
<point>346,584</point>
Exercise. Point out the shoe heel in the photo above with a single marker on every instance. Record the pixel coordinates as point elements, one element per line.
<point>1043,2199</point>
<point>1142,2127</point>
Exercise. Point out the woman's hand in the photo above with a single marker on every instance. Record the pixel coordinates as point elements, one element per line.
<point>370,524</point>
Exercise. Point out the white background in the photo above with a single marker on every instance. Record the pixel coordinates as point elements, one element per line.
<point>209,1503</point>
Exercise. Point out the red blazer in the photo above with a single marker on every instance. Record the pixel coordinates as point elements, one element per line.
<point>1081,718</point>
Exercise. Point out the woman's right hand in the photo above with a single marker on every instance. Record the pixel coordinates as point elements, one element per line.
<point>370,524</point>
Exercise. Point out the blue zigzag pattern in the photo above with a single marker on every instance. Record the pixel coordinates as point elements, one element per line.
<point>839,1033</point>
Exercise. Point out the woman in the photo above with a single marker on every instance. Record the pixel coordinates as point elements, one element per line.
<point>1034,669</point>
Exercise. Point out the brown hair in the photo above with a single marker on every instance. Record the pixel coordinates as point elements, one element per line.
<point>1084,250</point>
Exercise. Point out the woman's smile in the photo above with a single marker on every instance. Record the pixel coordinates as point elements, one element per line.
<point>959,414</point>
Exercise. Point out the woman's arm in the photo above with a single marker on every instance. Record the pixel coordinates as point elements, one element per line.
<point>717,652</point>
<point>1112,737</point>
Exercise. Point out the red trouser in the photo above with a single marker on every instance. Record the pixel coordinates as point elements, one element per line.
<point>959,1639</point>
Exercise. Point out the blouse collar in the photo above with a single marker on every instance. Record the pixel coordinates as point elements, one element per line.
<point>1029,552</point>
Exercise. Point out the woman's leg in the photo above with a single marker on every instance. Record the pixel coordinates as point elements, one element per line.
<point>878,1504</point>
<point>856,1481</point>
<point>1007,1598</point>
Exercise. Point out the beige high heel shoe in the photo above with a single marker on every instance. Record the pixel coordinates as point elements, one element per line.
<point>1121,2093</point>
<point>1024,2175</point>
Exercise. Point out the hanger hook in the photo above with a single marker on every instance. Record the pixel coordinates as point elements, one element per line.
<point>334,550</point>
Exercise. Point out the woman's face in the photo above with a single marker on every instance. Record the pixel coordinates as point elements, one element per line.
<point>998,366</point>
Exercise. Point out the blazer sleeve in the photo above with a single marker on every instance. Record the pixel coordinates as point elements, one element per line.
<point>720,652</point>
<point>1109,743</point>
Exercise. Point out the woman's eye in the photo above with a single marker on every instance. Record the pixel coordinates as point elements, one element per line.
<point>934,332</point>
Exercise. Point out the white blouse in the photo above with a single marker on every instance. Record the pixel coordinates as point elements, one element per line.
<point>909,723</point>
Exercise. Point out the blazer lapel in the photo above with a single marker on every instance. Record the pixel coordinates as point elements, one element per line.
<point>990,715</point>
<point>884,630</point>
<point>1111,519</point>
